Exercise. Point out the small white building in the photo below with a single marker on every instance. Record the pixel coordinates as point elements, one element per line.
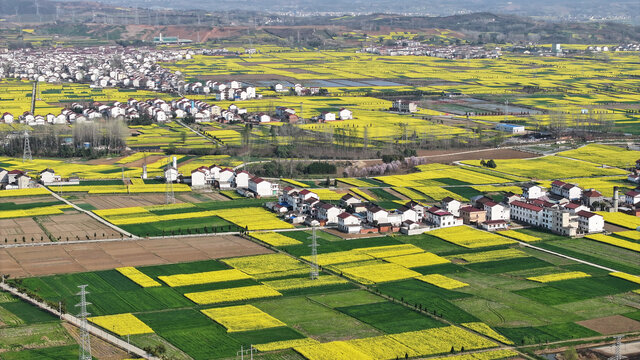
<point>328,116</point>
<point>348,223</point>
<point>261,187</point>
<point>376,214</point>
<point>510,128</point>
<point>532,191</point>
<point>199,177</point>
<point>589,222</point>
<point>329,213</point>
<point>241,179</point>
<point>171,174</point>
<point>345,114</point>
<point>451,205</point>
<point>48,176</point>
<point>632,197</point>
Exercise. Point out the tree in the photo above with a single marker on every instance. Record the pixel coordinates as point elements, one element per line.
<point>491,164</point>
<point>570,354</point>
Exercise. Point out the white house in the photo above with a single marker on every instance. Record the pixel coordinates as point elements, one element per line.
<point>441,218</point>
<point>348,223</point>
<point>632,197</point>
<point>242,179</point>
<point>527,213</point>
<point>345,114</point>
<point>451,205</point>
<point>408,213</point>
<point>329,213</point>
<point>226,178</point>
<point>589,222</point>
<point>510,128</point>
<point>376,215</point>
<point>328,116</point>
<point>566,190</point>
<point>171,174</point>
<point>199,177</point>
<point>532,191</point>
<point>405,106</point>
<point>7,118</point>
<point>48,176</point>
<point>496,211</point>
<point>261,187</point>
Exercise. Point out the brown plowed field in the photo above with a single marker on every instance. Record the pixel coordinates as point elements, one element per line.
<point>68,258</point>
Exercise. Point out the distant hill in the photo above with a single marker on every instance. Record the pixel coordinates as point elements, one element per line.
<point>628,10</point>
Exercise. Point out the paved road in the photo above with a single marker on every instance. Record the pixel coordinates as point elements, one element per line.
<point>93,330</point>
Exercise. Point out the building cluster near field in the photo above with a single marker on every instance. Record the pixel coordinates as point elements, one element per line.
<point>110,66</point>
<point>565,209</point>
<point>415,48</point>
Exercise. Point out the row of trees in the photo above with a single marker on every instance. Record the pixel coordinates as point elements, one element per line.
<point>88,140</point>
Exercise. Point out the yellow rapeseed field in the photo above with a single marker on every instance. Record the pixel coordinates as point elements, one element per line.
<point>242,318</point>
<point>232,294</point>
<point>121,324</point>
<point>138,277</point>
<point>203,277</point>
<point>559,277</point>
<point>442,281</point>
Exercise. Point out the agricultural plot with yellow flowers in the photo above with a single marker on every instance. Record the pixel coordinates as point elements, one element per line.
<point>271,301</point>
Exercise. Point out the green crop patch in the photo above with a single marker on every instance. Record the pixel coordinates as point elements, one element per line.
<point>549,295</point>
<point>29,313</point>
<point>247,338</point>
<point>68,352</point>
<point>390,317</point>
<point>503,266</point>
<point>429,297</point>
<point>566,331</point>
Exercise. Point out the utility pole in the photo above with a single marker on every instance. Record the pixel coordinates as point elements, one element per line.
<point>314,255</point>
<point>85,340</point>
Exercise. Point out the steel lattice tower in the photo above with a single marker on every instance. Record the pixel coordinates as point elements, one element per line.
<point>85,341</point>
<point>618,345</point>
<point>26,154</point>
<point>314,255</point>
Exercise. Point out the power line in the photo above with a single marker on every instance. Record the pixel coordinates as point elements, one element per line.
<point>85,340</point>
<point>314,255</point>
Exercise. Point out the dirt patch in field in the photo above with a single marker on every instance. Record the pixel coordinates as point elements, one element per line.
<point>102,161</point>
<point>125,200</point>
<point>150,160</point>
<point>99,348</point>
<point>442,156</point>
<point>68,258</point>
<point>609,325</point>
<point>77,226</point>
<point>13,230</point>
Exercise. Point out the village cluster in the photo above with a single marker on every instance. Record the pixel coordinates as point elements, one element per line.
<point>565,209</point>
<point>111,66</point>
<point>415,48</point>
<point>159,110</point>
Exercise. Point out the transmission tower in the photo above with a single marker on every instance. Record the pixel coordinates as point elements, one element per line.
<point>85,341</point>
<point>618,355</point>
<point>26,154</point>
<point>314,255</point>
